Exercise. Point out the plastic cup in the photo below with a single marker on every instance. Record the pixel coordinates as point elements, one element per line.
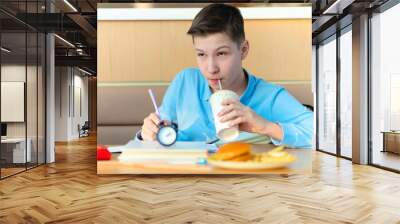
<point>223,130</point>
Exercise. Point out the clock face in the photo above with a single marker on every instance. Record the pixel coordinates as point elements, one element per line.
<point>166,135</point>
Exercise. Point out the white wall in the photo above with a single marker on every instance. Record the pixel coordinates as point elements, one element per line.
<point>33,126</point>
<point>62,80</point>
<point>70,83</point>
<point>12,101</point>
<point>15,73</point>
<point>79,117</point>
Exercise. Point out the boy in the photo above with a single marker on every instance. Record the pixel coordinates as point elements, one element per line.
<point>264,108</point>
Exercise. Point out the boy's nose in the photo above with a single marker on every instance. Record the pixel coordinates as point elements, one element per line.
<point>212,66</point>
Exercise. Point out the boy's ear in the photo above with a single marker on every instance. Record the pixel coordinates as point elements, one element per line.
<point>244,49</point>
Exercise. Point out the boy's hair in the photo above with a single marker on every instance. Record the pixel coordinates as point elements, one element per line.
<point>219,18</point>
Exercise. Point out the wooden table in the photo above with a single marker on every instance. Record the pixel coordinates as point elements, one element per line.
<point>303,165</point>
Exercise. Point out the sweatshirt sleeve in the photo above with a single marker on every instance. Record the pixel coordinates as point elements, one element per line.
<point>296,121</point>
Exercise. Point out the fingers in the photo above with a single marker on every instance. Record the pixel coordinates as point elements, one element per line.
<point>236,121</point>
<point>226,109</point>
<point>235,113</point>
<point>231,115</point>
<point>150,127</point>
<point>149,135</point>
<point>151,122</point>
<point>228,106</point>
<point>154,118</point>
<point>230,101</point>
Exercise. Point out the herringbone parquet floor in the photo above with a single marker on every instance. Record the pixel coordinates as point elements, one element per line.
<point>70,191</point>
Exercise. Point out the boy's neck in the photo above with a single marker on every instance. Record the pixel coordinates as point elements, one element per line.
<point>241,84</point>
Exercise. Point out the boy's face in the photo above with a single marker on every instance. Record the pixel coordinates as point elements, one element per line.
<point>218,57</point>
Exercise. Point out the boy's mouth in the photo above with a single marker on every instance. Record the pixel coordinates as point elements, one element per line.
<point>214,81</point>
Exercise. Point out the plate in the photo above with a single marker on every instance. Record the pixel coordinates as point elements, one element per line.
<point>251,165</point>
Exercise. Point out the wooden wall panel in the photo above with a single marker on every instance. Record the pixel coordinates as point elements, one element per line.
<point>137,51</point>
<point>146,51</point>
<point>279,49</point>
<point>115,48</point>
<point>177,50</point>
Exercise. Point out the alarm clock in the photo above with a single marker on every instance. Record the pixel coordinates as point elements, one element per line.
<point>167,133</point>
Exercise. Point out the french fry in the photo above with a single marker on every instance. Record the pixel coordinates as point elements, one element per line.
<point>278,149</point>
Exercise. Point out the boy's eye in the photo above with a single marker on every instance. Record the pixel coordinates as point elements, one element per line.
<point>221,53</point>
<point>200,54</point>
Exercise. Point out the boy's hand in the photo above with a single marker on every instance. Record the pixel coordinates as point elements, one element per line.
<point>150,127</point>
<point>236,113</point>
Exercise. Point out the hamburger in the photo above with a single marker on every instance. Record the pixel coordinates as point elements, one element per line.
<point>235,151</point>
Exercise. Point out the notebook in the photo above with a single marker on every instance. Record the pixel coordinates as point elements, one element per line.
<point>181,145</point>
<point>180,152</point>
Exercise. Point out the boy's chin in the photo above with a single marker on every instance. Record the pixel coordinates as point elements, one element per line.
<point>213,87</point>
